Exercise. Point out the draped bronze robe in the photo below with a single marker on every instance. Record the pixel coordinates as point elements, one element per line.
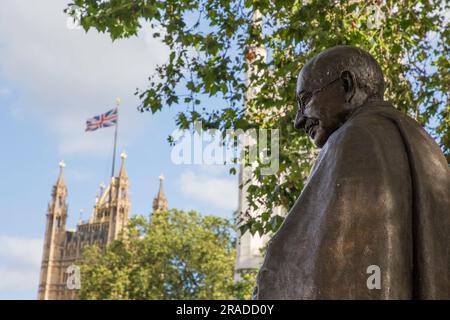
<point>378,194</point>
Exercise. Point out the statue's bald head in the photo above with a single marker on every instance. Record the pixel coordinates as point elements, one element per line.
<point>331,63</point>
<point>331,85</point>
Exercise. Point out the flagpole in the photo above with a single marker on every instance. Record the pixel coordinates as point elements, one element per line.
<point>112,171</point>
<point>115,138</point>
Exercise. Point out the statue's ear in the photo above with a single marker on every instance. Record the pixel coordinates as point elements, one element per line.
<point>349,82</point>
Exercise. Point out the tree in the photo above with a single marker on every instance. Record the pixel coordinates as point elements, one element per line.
<point>176,255</point>
<point>212,42</point>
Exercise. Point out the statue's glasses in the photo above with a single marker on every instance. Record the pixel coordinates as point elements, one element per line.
<point>304,98</point>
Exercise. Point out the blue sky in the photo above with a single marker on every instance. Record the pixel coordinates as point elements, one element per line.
<point>52,78</point>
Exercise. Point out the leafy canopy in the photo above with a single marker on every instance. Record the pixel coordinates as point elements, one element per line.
<point>212,41</point>
<point>177,255</point>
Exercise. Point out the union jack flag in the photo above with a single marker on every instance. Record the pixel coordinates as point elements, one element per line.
<point>104,120</point>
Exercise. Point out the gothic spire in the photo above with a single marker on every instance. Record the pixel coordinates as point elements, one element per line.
<point>60,189</point>
<point>60,181</point>
<point>123,171</point>
<point>160,201</point>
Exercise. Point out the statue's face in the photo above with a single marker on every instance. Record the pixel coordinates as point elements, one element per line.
<point>321,106</point>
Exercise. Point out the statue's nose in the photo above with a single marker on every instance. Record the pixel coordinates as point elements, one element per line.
<point>300,120</point>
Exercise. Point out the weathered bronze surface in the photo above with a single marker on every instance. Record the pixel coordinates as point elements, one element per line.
<point>378,194</point>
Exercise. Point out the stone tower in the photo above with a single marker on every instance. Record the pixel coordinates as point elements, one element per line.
<point>248,246</point>
<point>160,201</point>
<point>120,203</point>
<point>55,232</point>
<point>63,248</point>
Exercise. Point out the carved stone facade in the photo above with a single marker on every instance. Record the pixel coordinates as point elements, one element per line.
<point>63,248</point>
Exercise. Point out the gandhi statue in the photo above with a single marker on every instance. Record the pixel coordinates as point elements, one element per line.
<point>377,200</point>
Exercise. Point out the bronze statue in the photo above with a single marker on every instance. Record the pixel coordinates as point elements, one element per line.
<point>377,198</point>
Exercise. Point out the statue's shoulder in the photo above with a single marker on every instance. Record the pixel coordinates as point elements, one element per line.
<point>380,125</point>
<point>369,124</point>
<point>379,110</point>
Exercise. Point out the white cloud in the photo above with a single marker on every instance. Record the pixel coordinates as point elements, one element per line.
<point>13,279</point>
<point>20,260</point>
<point>21,250</point>
<point>216,170</point>
<point>66,76</point>
<point>215,191</point>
